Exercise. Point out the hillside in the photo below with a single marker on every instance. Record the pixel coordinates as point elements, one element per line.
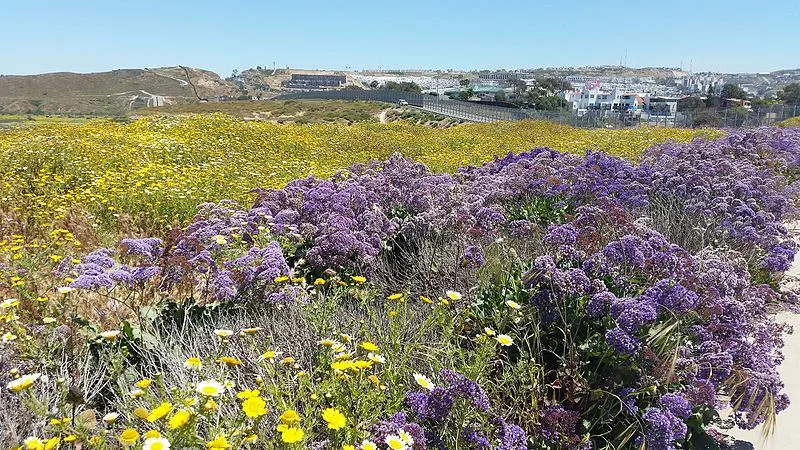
<point>113,92</point>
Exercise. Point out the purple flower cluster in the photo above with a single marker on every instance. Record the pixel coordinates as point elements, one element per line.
<point>663,429</point>
<point>559,426</point>
<point>436,405</point>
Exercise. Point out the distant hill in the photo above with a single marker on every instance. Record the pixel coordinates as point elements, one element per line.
<point>108,93</point>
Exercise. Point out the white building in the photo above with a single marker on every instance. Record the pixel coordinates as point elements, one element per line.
<point>701,83</point>
<point>617,101</point>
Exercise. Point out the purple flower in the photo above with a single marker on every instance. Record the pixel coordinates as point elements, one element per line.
<point>622,342</point>
<point>472,257</point>
<point>598,304</point>
<point>150,248</point>
<point>663,429</point>
<point>677,404</point>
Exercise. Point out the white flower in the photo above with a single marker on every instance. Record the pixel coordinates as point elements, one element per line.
<point>453,295</point>
<point>65,290</point>
<point>111,417</point>
<point>8,337</point>
<point>488,331</point>
<point>9,303</point>
<point>504,340</point>
<point>368,445</point>
<point>158,443</point>
<point>193,363</point>
<point>49,320</point>
<point>110,335</point>
<point>424,381</point>
<point>512,304</point>
<point>396,442</point>
<point>223,333</point>
<point>406,437</point>
<point>220,239</point>
<point>210,388</point>
<point>374,357</point>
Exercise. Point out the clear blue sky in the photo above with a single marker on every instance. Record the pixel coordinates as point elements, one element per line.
<point>87,36</point>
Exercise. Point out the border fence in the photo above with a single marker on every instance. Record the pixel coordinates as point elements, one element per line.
<point>477,112</point>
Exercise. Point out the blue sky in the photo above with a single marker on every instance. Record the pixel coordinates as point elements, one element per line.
<point>87,36</point>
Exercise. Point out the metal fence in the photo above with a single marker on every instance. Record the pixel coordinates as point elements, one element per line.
<point>477,112</point>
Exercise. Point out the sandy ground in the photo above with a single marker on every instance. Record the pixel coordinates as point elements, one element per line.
<point>787,429</point>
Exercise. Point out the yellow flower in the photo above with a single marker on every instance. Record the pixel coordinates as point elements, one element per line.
<point>292,435</point>
<point>52,443</point>
<point>342,365</point>
<point>219,443</point>
<point>156,443</point>
<point>254,407</point>
<point>269,355</point>
<point>210,388</point>
<point>403,434</point>
<point>152,434</point>
<point>374,380</point>
<point>395,442</point>
<point>335,419</point>
<point>504,340</point>
<point>71,438</point>
<point>9,303</point>
<point>424,381</point>
<point>368,445</point>
<point>453,295</point>
<point>488,331</point>
<point>193,363</point>
<point>348,447</point>
<point>220,239</point>
<point>8,337</point>
<point>248,393</point>
<point>251,330</point>
<point>289,417</point>
<point>141,413</point>
<point>281,279</point>
<point>159,412</point>
<point>144,384</point>
<point>319,282</point>
<point>129,436</point>
<point>230,361</point>
<point>396,296</point>
<point>179,419</point>
<point>23,382</point>
<point>358,279</point>
<point>251,438</point>
<point>287,361</point>
<point>33,443</point>
<point>369,346</point>
<point>425,299</point>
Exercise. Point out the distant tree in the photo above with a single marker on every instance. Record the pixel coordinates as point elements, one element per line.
<point>234,73</point>
<point>705,118</point>
<point>790,94</point>
<point>466,94</point>
<point>406,86</point>
<point>374,84</point>
<point>733,91</point>
<point>519,87</point>
<point>464,82</point>
<point>353,87</point>
<point>690,104</point>
<point>500,96</point>
<point>554,85</point>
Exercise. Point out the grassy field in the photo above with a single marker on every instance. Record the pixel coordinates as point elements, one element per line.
<point>793,122</point>
<point>281,111</point>
<point>149,175</point>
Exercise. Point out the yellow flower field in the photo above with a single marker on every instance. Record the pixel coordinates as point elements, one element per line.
<point>147,175</point>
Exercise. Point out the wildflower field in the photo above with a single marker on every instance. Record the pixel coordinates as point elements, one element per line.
<point>185,283</point>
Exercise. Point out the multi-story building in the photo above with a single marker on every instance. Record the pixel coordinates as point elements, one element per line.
<point>702,82</point>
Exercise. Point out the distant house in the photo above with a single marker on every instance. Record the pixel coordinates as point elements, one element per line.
<point>301,80</point>
<point>731,102</point>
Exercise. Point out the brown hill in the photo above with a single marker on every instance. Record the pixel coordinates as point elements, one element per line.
<point>107,93</point>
